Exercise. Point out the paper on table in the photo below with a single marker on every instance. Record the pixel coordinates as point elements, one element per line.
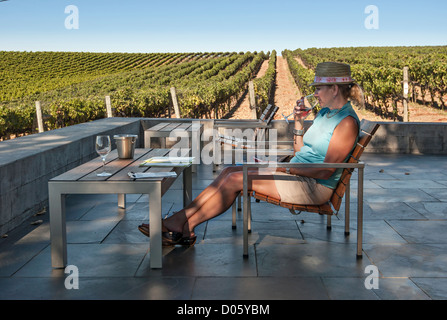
<point>140,175</point>
<point>168,161</point>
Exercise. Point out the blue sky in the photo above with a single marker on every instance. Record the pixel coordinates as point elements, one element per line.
<point>226,25</point>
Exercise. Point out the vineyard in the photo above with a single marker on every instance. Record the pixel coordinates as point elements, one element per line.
<point>379,71</point>
<point>72,86</point>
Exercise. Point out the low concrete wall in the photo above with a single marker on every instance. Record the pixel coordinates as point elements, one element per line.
<point>27,163</point>
<point>395,137</point>
<point>410,138</point>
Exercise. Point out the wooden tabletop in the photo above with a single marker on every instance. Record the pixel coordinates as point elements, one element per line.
<point>119,168</point>
<point>170,126</point>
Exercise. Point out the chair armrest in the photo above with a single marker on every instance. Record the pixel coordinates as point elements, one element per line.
<point>243,125</point>
<point>268,142</point>
<point>360,165</point>
<point>344,165</point>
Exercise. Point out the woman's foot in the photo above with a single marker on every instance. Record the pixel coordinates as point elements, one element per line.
<point>187,241</point>
<point>144,229</point>
<point>188,237</point>
<point>169,238</point>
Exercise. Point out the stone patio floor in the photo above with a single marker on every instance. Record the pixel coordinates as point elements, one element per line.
<point>290,257</point>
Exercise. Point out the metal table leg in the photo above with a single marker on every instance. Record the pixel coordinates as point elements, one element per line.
<point>58,232</point>
<point>155,226</point>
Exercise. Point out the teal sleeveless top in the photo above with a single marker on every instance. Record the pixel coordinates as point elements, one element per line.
<point>317,138</point>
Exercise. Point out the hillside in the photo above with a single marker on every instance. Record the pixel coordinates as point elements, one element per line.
<point>71,86</point>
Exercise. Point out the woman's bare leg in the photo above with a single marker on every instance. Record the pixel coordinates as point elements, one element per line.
<point>177,221</point>
<point>210,190</point>
<point>224,197</point>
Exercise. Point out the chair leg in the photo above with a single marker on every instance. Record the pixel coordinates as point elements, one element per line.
<point>245,213</point>
<point>233,226</point>
<point>329,223</point>
<point>234,208</point>
<point>347,208</point>
<point>249,214</point>
<point>239,202</point>
<point>216,150</point>
<point>360,214</point>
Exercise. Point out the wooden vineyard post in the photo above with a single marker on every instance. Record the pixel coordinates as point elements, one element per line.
<point>175,102</point>
<point>405,100</point>
<point>39,117</point>
<point>251,91</point>
<point>109,107</point>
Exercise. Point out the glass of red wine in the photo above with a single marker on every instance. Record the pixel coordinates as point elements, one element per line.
<point>307,104</point>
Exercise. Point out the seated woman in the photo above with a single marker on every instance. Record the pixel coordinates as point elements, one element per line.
<point>331,138</point>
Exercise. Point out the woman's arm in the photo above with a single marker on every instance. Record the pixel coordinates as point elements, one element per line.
<point>298,140</point>
<point>340,146</point>
<point>299,125</point>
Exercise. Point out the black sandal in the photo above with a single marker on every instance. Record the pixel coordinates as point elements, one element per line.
<point>169,238</point>
<point>144,229</point>
<point>187,241</point>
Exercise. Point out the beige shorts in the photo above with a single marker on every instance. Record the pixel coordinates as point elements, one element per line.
<point>301,190</point>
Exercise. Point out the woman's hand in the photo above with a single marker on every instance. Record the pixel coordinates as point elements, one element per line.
<point>299,110</point>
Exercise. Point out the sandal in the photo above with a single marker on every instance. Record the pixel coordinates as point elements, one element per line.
<point>144,229</point>
<point>187,241</point>
<point>169,238</point>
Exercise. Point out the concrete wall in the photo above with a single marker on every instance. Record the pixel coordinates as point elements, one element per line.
<point>27,163</point>
<point>396,137</point>
<point>410,138</point>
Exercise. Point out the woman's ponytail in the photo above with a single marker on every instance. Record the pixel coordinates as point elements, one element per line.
<point>354,93</point>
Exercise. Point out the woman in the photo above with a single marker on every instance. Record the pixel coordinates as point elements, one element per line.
<point>330,139</point>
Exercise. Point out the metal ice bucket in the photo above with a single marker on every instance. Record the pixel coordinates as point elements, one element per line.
<point>125,144</point>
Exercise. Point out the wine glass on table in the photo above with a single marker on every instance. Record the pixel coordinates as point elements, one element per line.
<point>307,104</point>
<point>103,148</point>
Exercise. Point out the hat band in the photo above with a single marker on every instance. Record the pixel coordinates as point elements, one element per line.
<point>332,79</point>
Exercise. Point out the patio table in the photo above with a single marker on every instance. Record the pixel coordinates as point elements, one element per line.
<point>83,180</point>
<point>190,130</point>
<point>164,130</point>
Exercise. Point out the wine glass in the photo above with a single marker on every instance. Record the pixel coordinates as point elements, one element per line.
<point>309,102</point>
<point>103,147</point>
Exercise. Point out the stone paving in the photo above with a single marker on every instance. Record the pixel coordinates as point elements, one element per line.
<point>290,257</point>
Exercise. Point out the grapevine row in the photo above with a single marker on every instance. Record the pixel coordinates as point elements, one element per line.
<point>264,87</point>
<point>23,74</point>
<point>379,70</point>
<point>206,83</point>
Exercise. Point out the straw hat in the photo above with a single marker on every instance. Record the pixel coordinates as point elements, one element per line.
<point>332,73</point>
